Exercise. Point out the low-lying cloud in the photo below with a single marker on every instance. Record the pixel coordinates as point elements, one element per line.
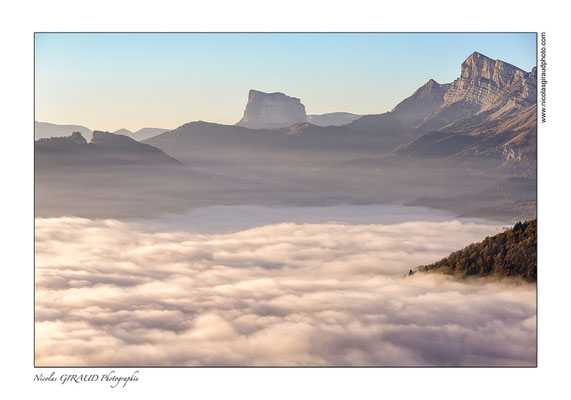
<point>108,294</point>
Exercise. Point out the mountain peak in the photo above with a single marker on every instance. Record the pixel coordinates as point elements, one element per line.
<point>478,66</point>
<point>423,101</point>
<point>428,86</point>
<point>476,58</point>
<point>477,55</point>
<point>272,110</point>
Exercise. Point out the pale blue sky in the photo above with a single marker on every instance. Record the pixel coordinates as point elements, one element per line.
<point>112,81</point>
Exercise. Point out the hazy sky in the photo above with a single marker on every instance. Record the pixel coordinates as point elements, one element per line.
<point>112,81</point>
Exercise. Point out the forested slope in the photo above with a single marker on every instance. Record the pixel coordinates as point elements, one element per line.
<point>510,253</point>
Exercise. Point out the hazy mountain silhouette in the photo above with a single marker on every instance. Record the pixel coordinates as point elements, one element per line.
<point>487,92</point>
<point>47,130</point>
<point>105,149</point>
<point>440,146</point>
<point>141,134</point>
<point>332,119</point>
<point>124,132</point>
<point>113,176</point>
<point>44,130</point>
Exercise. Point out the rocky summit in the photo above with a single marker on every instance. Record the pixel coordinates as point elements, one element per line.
<point>488,112</point>
<point>272,110</point>
<point>484,81</point>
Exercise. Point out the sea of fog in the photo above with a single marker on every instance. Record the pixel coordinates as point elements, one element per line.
<point>224,219</point>
<point>246,285</point>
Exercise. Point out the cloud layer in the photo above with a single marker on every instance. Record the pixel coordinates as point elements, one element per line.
<point>108,294</point>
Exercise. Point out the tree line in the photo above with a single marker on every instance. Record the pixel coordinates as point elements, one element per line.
<point>510,253</point>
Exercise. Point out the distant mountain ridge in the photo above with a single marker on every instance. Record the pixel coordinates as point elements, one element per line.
<point>43,130</point>
<point>332,119</point>
<point>141,134</point>
<point>441,146</point>
<point>113,176</point>
<point>487,92</point>
<point>105,149</point>
<point>455,119</point>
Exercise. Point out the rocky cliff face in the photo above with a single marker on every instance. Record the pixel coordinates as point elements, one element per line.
<point>484,81</point>
<point>489,111</point>
<point>486,90</point>
<point>477,66</point>
<point>272,110</point>
<point>484,85</point>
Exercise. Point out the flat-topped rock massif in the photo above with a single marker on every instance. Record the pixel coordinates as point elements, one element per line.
<point>278,110</point>
<point>272,110</point>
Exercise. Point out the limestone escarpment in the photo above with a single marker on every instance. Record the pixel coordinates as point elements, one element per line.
<point>486,89</point>
<point>484,81</point>
<point>272,110</point>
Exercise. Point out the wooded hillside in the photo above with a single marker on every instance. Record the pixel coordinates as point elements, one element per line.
<point>510,253</point>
